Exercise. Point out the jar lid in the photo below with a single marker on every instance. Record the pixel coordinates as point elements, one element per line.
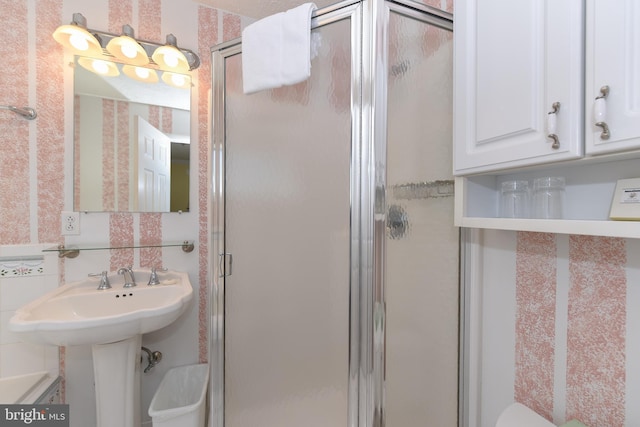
<point>508,186</point>
<point>556,182</point>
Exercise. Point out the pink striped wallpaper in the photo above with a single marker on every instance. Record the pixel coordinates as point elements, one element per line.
<point>120,224</point>
<point>149,14</point>
<point>596,362</point>
<point>123,155</point>
<point>120,13</point>
<point>151,234</point>
<point>14,155</point>
<point>154,116</point>
<point>120,235</point>
<point>33,74</point>
<point>596,322</point>
<point>108,152</point>
<point>50,121</point>
<point>149,20</point>
<point>535,321</point>
<point>150,223</point>
<point>167,120</point>
<point>76,152</point>
<point>207,37</point>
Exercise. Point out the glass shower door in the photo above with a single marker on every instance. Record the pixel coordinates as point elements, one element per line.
<point>287,227</point>
<point>421,265</point>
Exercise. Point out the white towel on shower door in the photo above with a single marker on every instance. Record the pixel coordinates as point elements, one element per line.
<point>276,50</point>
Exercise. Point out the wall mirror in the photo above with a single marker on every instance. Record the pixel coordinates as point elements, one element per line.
<point>131,138</point>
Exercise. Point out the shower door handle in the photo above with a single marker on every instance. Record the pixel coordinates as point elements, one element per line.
<point>225,264</point>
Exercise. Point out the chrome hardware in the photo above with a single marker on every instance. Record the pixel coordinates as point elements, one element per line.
<point>153,358</point>
<point>605,134</point>
<point>397,222</point>
<point>600,112</point>
<point>67,253</point>
<point>153,278</point>
<point>604,92</point>
<point>104,280</point>
<point>187,247</point>
<point>225,265</point>
<point>129,280</point>
<point>423,190</point>
<point>552,124</point>
<point>26,112</point>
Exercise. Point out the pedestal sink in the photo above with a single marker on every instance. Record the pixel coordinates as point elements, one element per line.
<point>112,321</point>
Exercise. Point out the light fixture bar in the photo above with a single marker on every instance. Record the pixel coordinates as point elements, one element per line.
<point>103,38</point>
<point>192,58</point>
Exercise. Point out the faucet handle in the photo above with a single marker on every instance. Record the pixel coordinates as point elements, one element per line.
<point>104,280</point>
<point>153,279</point>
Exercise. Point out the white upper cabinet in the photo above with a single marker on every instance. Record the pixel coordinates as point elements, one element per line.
<point>515,60</point>
<point>613,61</point>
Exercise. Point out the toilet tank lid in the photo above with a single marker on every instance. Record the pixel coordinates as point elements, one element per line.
<point>518,415</point>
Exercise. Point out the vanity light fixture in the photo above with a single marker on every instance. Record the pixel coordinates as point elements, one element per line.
<point>99,66</point>
<point>168,57</point>
<point>76,36</point>
<point>127,49</point>
<point>181,81</point>
<point>146,75</point>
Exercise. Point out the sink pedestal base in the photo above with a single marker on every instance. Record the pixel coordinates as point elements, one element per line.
<point>116,369</point>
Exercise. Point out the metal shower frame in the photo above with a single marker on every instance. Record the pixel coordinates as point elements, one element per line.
<point>369,27</point>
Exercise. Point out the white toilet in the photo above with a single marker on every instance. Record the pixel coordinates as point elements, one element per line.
<point>518,415</point>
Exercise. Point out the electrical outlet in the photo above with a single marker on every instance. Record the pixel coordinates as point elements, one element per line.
<point>70,222</point>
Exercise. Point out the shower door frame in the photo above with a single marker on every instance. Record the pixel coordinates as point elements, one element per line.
<point>369,26</point>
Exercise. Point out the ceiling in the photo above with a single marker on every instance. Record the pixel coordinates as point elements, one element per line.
<point>260,8</point>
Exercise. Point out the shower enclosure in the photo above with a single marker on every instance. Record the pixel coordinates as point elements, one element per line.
<point>335,279</point>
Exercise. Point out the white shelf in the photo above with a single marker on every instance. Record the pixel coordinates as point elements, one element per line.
<point>628,229</point>
<point>589,192</point>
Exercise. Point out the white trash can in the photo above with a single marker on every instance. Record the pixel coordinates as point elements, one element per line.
<point>180,398</point>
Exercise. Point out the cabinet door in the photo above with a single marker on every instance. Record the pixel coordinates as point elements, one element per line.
<point>513,61</point>
<point>613,60</point>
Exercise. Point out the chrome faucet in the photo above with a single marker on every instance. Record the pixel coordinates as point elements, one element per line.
<point>153,278</point>
<point>104,280</point>
<point>129,280</point>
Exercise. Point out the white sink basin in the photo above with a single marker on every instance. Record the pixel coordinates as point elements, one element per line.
<point>77,313</point>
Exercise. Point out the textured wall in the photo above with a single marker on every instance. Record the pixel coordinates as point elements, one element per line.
<point>559,327</point>
<point>36,161</point>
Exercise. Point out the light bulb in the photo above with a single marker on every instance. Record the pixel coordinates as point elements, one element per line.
<point>143,73</point>
<point>178,79</point>
<point>168,57</point>
<point>100,67</point>
<point>129,50</point>
<point>181,81</point>
<point>171,59</point>
<point>78,41</point>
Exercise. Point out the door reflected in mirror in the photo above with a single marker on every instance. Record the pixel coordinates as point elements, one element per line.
<point>131,139</point>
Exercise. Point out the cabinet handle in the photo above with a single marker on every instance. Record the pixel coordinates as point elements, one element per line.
<point>552,125</point>
<point>600,112</point>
